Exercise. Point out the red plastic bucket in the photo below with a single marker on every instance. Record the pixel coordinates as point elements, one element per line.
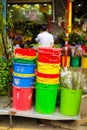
<point>22,98</point>
<point>25,52</point>
<point>47,75</point>
<point>49,55</point>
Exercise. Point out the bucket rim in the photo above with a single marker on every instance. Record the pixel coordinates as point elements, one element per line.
<point>72,90</point>
<point>47,84</point>
<point>24,64</point>
<point>32,87</point>
<point>47,89</point>
<point>24,77</point>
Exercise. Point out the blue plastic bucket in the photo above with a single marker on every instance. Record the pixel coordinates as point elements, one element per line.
<point>23,82</point>
<point>24,68</point>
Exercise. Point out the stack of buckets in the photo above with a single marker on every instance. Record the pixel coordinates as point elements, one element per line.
<point>47,79</point>
<point>23,78</point>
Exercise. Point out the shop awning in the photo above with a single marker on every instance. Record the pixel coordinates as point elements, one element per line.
<point>29,1</point>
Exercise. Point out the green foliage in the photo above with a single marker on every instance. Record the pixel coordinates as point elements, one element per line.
<point>1,45</point>
<point>74,38</point>
<point>5,75</point>
<point>10,24</point>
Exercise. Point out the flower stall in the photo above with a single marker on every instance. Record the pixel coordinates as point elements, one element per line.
<point>44,84</point>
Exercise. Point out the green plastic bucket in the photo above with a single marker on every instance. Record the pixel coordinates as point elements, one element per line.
<point>45,98</point>
<point>75,61</point>
<point>70,101</point>
<point>41,85</point>
<point>24,61</point>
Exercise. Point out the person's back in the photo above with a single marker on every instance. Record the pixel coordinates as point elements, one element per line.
<point>45,39</point>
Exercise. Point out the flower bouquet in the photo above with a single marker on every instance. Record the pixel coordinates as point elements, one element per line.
<point>72,78</point>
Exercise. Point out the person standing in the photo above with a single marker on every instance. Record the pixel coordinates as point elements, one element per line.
<point>44,38</point>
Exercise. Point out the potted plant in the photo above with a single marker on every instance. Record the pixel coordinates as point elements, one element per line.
<point>76,53</point>
<point>74,39</point>
<point>71,82</point>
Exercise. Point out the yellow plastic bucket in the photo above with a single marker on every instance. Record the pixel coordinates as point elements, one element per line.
<point>48,68</point>
<point>23,75</point>
<point>24,57</point>
<point>84,62</point>
<point>68,61</point>
<point>47,80</point>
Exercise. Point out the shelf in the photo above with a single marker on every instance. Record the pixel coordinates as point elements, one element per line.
<point>4,111</point>
<point>33,114</point>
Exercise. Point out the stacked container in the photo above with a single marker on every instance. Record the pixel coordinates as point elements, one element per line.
<point>47,79</point>
<point>23,78</point>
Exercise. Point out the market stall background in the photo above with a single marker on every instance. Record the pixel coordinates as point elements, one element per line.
<point>33,113</point>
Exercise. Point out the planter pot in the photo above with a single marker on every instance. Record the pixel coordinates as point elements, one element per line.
<point>84,62</point>
<point>75,61</point>
<point>67,62</point>
<point>70,101</point>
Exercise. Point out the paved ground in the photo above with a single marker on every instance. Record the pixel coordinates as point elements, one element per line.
<point>24,123</point>
<point>31,124</point>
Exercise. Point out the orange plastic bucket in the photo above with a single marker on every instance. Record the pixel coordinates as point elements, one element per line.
<point>67,62</point>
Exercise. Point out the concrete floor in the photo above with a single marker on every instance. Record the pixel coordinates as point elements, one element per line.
<point>24,123</point>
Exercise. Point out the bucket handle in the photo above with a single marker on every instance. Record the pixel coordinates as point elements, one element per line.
<point>32,83</point>
<point>53,60</point>
<point>54,56</point>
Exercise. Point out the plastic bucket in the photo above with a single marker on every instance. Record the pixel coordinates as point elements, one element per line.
<point>25,57</point>
<point>84,62</point>
<point>70,101</point>
<point>24,68</point>
<point>47,75</point>
<point>22,98</point>
<point>67,62</point>
<point>47,80</point>
<point>41,85</point>
<point>45,101</point>
<point>23,75</point>
<point>46,68</point>
<point>24,61</point>
<point>75,61</point>
<point>23,82</point>
<point>25,52</point>
<point>49,55</point>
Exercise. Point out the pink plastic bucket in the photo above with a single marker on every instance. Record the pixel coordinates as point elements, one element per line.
<point>22,98</point>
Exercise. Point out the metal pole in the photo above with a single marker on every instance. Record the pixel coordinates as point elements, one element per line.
<point>53,11</point>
